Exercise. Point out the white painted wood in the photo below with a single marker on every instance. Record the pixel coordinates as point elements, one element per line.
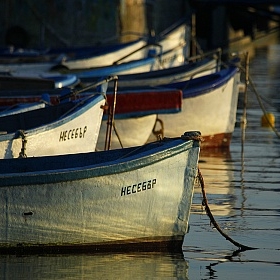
<point>150,200</point>
<point>211,113</point>
<point>131,131</point>
<point>75,133</point>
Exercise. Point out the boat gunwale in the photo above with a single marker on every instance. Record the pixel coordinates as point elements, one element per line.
<point>126,161</point>
<point>91,101</point>
<point>203,85</point>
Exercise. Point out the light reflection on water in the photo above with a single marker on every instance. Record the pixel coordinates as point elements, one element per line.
<point>248,208</point>
<point>244,199</point>
<point>96,266</point>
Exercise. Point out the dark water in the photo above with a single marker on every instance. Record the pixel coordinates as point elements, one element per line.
<point>243,194</point>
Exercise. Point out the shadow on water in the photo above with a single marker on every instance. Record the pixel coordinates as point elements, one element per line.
<point>95,266</point>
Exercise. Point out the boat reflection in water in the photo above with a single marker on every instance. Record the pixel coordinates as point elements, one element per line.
<point>217,171</point>
<point>203,242</point>
<point>96,266</point>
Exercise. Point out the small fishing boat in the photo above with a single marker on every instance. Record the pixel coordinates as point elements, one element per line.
<point>39,61</point>
<point>170,39</point>
<point>30,61</point>
<point>209,105</point>
<point>135,115</point>
<point>123,198</point>
<point>203,66</point>
<point>171,58</point>
<point>68,127</point>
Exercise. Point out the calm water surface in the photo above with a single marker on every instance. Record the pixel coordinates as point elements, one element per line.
<point>243,194</point>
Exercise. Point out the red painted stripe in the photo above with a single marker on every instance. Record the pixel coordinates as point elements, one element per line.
<point>143,101</point>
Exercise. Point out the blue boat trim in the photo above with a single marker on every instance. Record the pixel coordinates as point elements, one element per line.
<point>79,110</point>
<point>155,74</point>
<point>55,169</point>
<point>204,84</point>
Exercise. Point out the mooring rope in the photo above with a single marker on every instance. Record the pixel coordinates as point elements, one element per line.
<point>212,219</point>
<point>249,82</point>
<point>158,133</point>
<point>262,107</point>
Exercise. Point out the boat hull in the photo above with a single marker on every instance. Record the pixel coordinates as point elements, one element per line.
<point>106,58</point>
<point>136,50</point>
<point>162,78</point>
<point>127,132</point>
<point>135,115</point>
<point>213,113</point>
<point>76,132</point>
<point>129,200</point>
<point>168,59</point>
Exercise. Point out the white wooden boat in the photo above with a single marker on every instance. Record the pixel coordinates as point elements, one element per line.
<point>68,127</point>
<point>30,63</point>
<point>125,82</point>
<point>134,50</point>
<point>127,132</point>
<point>209,105</point>
<point>125,197</point>
<point>135,115</point>
<point>176,36</point>
<point>38,61</point>
<point>171,58</point>
<point>164,76</point>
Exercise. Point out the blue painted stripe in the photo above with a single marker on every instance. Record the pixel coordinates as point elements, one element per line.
<point>204,84</point>
<point>55,169</point>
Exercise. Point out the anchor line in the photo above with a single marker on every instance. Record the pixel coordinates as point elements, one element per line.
<point>212,219</point>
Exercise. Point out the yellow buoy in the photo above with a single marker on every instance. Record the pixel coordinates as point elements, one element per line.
<point>268,120</point>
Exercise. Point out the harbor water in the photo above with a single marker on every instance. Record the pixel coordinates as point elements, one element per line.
<point>243,191</point>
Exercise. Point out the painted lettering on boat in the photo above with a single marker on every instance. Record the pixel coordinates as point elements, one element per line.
<point>139,187</point>
<point>169,59</point>
<point>75,133</point>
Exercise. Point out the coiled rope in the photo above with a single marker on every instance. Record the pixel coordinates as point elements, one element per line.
<point>212,219</point>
